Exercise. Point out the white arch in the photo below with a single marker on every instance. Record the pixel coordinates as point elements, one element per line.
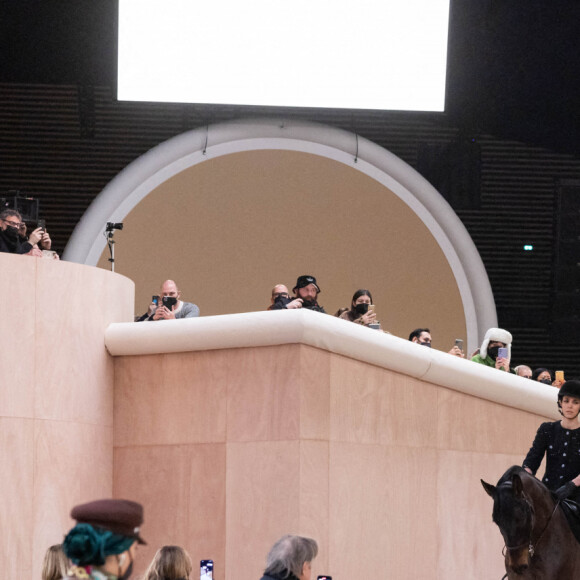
<point>159,164</point>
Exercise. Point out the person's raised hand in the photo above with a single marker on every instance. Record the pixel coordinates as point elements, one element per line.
<point>35,236</point>
<point>502,364</point>
<point>456,351</point>
<point>368,318</point>
<point>45,241</point>
<point>160,313</point>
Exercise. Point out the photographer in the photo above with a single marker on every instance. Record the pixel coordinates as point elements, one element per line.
<point>168,306</point>
<point>305,296</point>
<point>12,238</point>
<point>281,299</point>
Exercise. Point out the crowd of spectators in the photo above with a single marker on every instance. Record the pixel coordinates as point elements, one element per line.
<point>103,544</point>
<point>495,350</point>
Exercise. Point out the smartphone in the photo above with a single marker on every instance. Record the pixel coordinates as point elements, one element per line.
<point>205,569</point>
<point>42,224</point>
<point>324,578</point>
<point>155,300</point>
<point>560,376</point>
<point>459,343</point>
<point>371,309</point>
<point>502,352</point>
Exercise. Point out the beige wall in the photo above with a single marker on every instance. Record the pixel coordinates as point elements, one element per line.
<point>56,400</point>
<point>230,228</point>
<point>229,449</point>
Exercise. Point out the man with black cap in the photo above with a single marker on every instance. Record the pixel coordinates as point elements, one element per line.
<point>305,296</point>
<point>103,543</point>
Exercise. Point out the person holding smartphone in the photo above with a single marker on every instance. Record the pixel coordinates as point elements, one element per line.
<point>495,349</point>
<point>168,305</point>
<point>13,241</point>
<point>422,336</point>
<point>361,309</point>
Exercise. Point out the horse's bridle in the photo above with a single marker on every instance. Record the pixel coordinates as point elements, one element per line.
<point>531,545</point>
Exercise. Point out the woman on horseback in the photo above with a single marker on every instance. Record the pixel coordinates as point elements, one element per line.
<point>560,442</point>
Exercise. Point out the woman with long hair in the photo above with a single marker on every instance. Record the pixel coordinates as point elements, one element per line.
<point>359,309</point>
<point>56,564</point>
<point>170,563</point>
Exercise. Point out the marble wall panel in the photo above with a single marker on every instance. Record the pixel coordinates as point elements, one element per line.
<point>314,393</point>
<point>383,511</point>
<point>16,497</point>
<point>74,372</point>
<point>264,393</point>
<point>171,399</point>
<point>19,344</point>
<point>373,405</point>
<point>315,500</point>
<point>467,423</point>
<point>182,489</point>
<point>73,464</point>
<point>263,502</point>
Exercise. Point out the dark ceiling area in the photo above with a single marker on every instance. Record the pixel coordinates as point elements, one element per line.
<point>512,64</point>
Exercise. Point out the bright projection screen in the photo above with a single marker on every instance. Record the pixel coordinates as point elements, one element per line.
<point>368,54</point>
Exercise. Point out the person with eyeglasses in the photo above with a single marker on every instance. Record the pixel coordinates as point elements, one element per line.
<point>12,242</point>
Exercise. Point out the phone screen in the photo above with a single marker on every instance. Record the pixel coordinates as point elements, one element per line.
<point>206,570</point>
<point>324,578</point>
<point>155,300</point>
<point>560,376</point>
<point>502,352</point>
<point>42,224</point>
<point>459,343</point>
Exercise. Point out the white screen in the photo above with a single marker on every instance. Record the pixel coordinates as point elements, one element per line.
<point>363,54</point>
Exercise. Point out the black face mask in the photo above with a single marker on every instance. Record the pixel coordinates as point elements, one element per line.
<point>546,381</point>
<point>11,232</point>
<point>428,344</point>
<point>493,351</point>
<point>308,303</point>
<point>361,308</point>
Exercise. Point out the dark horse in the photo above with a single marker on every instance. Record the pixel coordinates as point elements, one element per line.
<point>539,544</point>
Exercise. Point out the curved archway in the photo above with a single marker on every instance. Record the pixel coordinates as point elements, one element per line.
<point>195,147</point>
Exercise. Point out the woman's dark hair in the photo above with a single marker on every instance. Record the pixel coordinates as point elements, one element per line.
<point>358,294</point>
<point>537,372</point>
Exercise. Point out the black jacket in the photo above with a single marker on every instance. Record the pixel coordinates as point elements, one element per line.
<point>562,449</point>
<point>280,304</point>
<point>13,244</point>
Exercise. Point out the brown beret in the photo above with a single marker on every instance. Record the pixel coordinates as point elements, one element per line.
<point>120,516</point>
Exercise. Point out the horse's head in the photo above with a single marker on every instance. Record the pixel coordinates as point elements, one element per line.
<point>514,515</point>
